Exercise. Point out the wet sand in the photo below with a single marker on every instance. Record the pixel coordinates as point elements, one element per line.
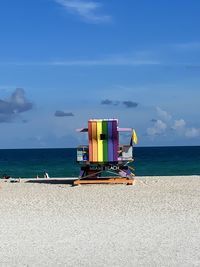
<point>156,222</point>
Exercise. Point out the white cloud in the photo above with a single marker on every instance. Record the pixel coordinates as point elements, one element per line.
<point>88,10</point>
<point>192,132</point>
<point>107,61</point>
<point>158,128</point>
<point>156,56</point>
<point>179,124</point>
<point>115,61</point>
<point>163,114</point>
<point>166,121</point>
<point>187,46</point>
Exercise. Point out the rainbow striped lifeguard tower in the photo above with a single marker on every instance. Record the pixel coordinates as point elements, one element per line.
<point>104,160</point>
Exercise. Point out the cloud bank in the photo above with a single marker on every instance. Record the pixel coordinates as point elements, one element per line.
<point>158,128</point>
<point>14,105</point>
<point>127,104</point>
<point>60,113</point>
<point>130,104</point>
<point>165,123</point>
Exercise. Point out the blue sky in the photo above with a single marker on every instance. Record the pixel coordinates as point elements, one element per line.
<point>65,61</point>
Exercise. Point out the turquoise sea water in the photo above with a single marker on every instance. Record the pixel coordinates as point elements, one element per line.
<point>62,162</point>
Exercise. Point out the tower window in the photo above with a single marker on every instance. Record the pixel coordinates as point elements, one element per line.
<point>102,137</point>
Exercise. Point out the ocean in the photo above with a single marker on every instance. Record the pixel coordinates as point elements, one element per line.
<point>27,163</point>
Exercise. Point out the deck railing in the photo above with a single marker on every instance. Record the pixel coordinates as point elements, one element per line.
<point>125,153</point>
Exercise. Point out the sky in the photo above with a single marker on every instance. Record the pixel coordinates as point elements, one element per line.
<point>63,62</point>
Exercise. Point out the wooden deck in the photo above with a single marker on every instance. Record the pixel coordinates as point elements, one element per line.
<point>118,180</point>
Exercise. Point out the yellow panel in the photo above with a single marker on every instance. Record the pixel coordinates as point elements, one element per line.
<point>99,142</point>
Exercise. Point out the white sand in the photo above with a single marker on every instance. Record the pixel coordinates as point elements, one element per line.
<point>154,223</point>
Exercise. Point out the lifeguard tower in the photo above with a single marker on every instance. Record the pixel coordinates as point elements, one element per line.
<point>104,160</point>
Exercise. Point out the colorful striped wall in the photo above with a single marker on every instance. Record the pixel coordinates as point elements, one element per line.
<point>103,140</point>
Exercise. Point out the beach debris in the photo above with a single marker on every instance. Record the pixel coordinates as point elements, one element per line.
<point>14,181</point>
<point>46,175</point>
<point>6,177</point>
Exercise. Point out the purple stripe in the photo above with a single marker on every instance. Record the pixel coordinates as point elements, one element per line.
<point>115,140</point>
<point>110,142</point>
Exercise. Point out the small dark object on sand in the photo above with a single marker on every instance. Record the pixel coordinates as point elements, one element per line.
<point>15,181</point>
<point>5,176</point>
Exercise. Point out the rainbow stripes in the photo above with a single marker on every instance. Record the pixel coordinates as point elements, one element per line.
<point>103,140</point>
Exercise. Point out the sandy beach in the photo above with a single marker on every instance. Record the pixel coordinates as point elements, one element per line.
<point>156,222</point>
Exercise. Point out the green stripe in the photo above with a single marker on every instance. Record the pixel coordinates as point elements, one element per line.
<point>105,142</point>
